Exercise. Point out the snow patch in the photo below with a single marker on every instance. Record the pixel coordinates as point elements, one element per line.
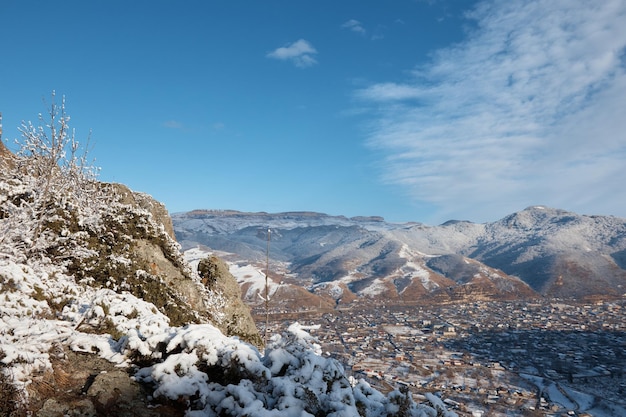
<point>245,274</point>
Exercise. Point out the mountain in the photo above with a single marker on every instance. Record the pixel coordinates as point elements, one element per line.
<point>536,252</point>
<point>558,253</point>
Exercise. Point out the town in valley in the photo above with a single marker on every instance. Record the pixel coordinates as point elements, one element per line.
<point>483,358</point>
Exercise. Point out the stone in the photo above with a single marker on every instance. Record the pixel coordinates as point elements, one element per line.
<point>238,321</point>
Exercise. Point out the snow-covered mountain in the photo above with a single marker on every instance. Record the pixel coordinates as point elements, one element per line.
<point>558,253</point>
<point>538,251</point>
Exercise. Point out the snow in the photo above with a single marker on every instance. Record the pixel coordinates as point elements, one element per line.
<point>557,396</point>
<point>415,270</point>
<point>331,287</point>
<point>571,399</point>
<point>247,275</point>
<point>291,378</point>
<point>376,287</point>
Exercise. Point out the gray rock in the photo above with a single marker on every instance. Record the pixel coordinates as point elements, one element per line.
<point>238,320</point>
<point>59,408</point>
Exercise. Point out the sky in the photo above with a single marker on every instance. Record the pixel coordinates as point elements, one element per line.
<point>413,110</point>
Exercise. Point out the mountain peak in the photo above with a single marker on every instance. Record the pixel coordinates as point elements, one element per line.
<point>370,256</point>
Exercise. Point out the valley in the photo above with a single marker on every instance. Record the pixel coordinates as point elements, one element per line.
<point>484,358</point>
<point>524,316</point>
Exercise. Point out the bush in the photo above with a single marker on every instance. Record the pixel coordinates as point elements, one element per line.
<point>48,180</point>
<point>10,399</point>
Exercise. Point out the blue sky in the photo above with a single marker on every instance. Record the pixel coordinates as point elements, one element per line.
<point>411,110</point>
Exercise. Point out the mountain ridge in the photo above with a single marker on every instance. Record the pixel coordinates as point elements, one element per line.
<point>552,252</point>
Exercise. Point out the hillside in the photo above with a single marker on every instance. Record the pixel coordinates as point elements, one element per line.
<point>558,253</point>
<point>537,252</point>
<point>101,315</point>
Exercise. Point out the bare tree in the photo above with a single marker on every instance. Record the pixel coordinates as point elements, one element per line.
<point>51,174</point>
<point>52,156</point>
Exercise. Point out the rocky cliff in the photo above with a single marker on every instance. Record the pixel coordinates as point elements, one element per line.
<point>237,320</point>
<point>84,260</point>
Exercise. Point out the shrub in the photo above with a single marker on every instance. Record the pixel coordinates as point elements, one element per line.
<point>10,399</point>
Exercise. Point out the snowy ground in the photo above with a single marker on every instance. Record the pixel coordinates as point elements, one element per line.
<point>290,378</point>
<point>572,400</point>
<point>248,276</point>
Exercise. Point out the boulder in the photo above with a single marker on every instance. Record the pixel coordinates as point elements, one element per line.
<point>237,319</point>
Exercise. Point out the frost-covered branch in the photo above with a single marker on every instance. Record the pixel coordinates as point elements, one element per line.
<point>54,167</point>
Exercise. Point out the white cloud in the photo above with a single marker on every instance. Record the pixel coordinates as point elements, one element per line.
<point>354,26</point>
<point>527,110</point>
<point>301,53</point>
<point>390,92</point>
<point>173,124</point>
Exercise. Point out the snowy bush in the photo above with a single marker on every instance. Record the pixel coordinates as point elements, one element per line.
<point>219,376</point>
<point>55,170</point>
<point>47,186</point>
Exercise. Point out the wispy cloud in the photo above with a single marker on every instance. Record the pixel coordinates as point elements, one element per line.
<point>527,110</point>
<point>173,124</point>
<point>301,53</point>
<point>354,26</point>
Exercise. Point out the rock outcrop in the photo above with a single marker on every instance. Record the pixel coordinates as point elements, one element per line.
<point>140,232</point>
<point>67,255</point>
<point>145,201</point>
<point>237,318</point>
<point>84,385</point>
